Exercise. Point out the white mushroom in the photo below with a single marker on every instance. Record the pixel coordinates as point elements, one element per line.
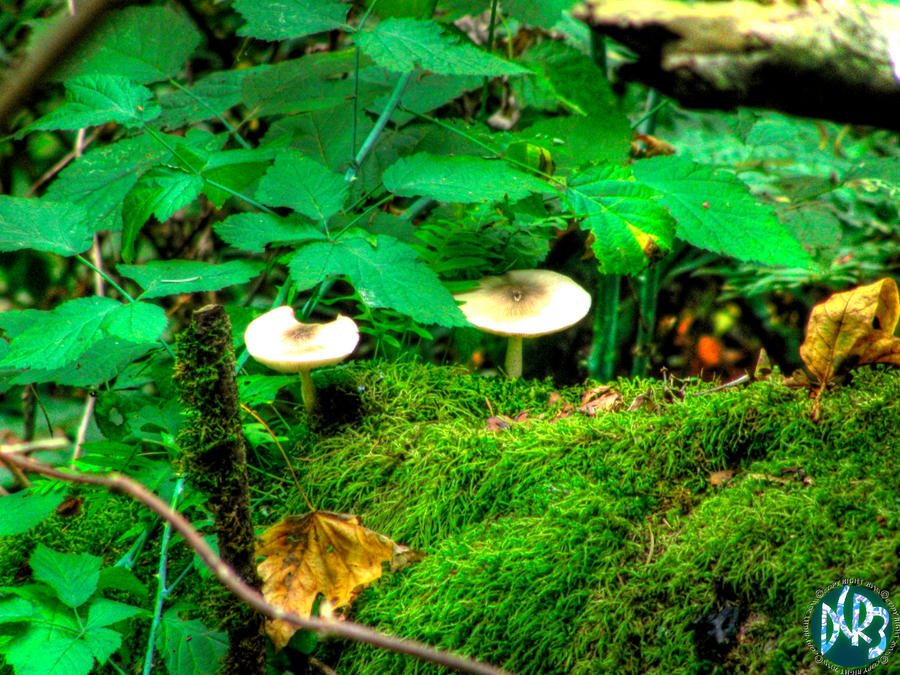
<point>277,340</point>
<point>524,303</point>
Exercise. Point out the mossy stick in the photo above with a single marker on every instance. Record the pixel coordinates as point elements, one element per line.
<point>215,461</point>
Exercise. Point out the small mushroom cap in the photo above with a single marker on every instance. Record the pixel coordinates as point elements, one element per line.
<point>277,340</point>
<point>525,303</point>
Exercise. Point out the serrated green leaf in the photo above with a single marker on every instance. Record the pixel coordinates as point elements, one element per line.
<point>167,277</point>
<point>388,274</point>
<point>23,510</point>
<point>97,99</point>
<point>285,19</point>
<point>313,82</point>
<point>544,14</point>
<point>103,643</point>
<point>104,612</point>
<point>119,578</point>
<point>144,44</point>
<point>423,94</point>
<point>189,646</point>
<point>55,656</point>
<point>58,337</point>
<point>99,181</point>
<point>208,97</point>
<point>716,211</point>
<point>103,360</point>
<point>236,171</point>
<point>161,191</point>
<point>630,226</point>
<point>254,231</point>
<point>463,179</point>
<point>43,225</point>
<point>72,576</point>
<point>595,131</point>
<point>303,185</point>
<point>404,45</point>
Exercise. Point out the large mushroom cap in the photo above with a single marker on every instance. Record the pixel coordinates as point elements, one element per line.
<point>276,339</point>
<point>525,303</point>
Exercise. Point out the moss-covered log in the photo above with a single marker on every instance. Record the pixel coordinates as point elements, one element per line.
<point>214,457</point>
<point>585,545</point>
<point>832,59</point>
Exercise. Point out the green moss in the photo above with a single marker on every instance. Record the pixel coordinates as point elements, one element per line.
<point>590,545</point>
<point>585,545</point>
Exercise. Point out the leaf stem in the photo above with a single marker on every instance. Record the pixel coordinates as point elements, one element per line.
<point>226,123</point>
<point>162,591</point>
<point>482,115</point>
<point>602,359</point>
<point>385,117</point>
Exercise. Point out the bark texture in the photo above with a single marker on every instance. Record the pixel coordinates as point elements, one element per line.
<point>215,459</point>
<point>834,59</point>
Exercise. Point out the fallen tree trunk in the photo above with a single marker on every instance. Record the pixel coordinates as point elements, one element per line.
<point>834,59</point>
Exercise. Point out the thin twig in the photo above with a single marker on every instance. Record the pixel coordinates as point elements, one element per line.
<point>64,162</point>
<point>43,444</point>
<point>82,428</point>
<point>120,483</point>
<point>162,589</point>
<point>287,459</point>
<point>734,383</point>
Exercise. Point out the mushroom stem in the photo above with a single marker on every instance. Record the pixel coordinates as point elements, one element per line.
<point>308,391</point>
<point>514,357</point>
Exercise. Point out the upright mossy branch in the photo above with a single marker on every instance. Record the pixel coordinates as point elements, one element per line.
<point>215,460</point>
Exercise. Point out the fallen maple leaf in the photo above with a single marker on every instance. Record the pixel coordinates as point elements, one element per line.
<point>325,553</point>
<point>852,328</point>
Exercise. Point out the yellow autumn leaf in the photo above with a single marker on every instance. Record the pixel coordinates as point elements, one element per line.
<point>852,328</point>
<point>325,553</point>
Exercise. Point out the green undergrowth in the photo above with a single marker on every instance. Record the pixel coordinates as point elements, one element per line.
<point>588,545</point>
<point>580,544</point>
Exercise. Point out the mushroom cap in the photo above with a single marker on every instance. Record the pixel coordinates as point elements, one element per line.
<point>277,340</point>
<point>525,303</point>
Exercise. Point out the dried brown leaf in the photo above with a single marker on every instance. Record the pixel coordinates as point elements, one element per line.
<point>499,422</point>
<point>720,477</point>
<point>600,399</point>
<point>325,553</point>
<point>841,329</point>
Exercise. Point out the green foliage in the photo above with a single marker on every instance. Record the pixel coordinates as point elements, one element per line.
<point>97,99</point>
<point>23,510</point>
<point>404,45</point>
<point>53,339</point>
<point>43,225</point>
<point>459,179</point>
<point>143,44</point>
<point>62,625</point>
<point>715,211</point>
<point>189,646</point>
<point>292,178</point>
<point>627,218</point>
<point>290,18</point>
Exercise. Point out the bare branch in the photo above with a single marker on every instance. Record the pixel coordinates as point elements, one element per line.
<point>120,483</point>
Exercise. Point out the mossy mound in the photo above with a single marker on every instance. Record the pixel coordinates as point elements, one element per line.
<point>588,545</point>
